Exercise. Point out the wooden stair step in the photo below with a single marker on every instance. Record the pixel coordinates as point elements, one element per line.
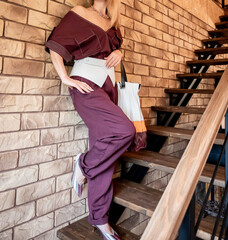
<point>218,50</point>
<point>143,199</point>
<point>137,197</point>
<point>168,164</point>
<point>219,40</point>
<point>223,18</point>
<point>219,32</point>
<point>179,133</point>
<point>177,109</point>
<point>82,230</point>
<point>200,75</point>
<point>209,62</point>
<point>220,25</point>
<point>191,91</point>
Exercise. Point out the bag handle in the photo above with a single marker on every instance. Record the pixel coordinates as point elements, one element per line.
<point>123,75</point>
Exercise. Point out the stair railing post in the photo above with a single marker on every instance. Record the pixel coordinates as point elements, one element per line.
<point>226,168</point>
<point>187,228</point>
<point>223,3</point>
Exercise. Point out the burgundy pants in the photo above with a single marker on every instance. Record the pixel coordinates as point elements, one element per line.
<point>110,134</point>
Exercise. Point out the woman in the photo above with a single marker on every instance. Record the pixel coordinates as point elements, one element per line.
<point>91,36</point>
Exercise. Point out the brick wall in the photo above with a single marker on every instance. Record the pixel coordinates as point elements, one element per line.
<point>40,131</point>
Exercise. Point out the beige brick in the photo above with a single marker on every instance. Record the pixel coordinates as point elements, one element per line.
<point>34,191</point>
<point>155,33</point>
<point>35,4</point>
<point>55,168</point>
<point>151,41</point>
<point>141,69</point>
<point>174,32</point>
<point>9,122</point>
<point>50,235</point>
<point>13,12</point>
<point>63,182</point>
<point>148,60</point>
<point>144,92</point>
<point>81,132</point>
<point>169,74</point>
<point>6,235</point>
<point>18,177</point>
<point>127,22</point>
<point>161,8</point>
<point>73,211</point>
<point>7,200</point>
<point>148,102</point>
<point>162,83</point>
<point>10,84</point>
<point>50,71</point>
<point>128,2</point>
<point>15,103</point>
<point>133,35</point>
<point>142,7</point>
<point>1,27</point>
<point>42,20</point>
<point>39,120</point>
<point>172,48</point>
<point>11,48</point>
<point>162,64</point>
<point>0,64</point>
<point>52,103</point>
<point>41,86</point>
<point>140,27</point>
<point>17,215</point>
<point>162,45</point>
<point>23,67</point>
<point>149,81</point>
<point>8,160</point>
<point>11,141</point>
<point>134,78</point>
<point>34,227</point>
<point>133,57</point>
<point>149,3</point>
<point>53,202</point>
<point>128,44</point>
<point>133,14</point>
<point>156,92</point>
<point>36,52</point>
<point>37,155</point>
<point>72,148</point>
<point>155,72</point>
<point>149,20</point>
<point>57,9</point>
<point>69,118</point>
<point>156,52</point>
<point>71,3</point>
<point>155,14</point>
<point>24,32</point>
<point>55,135</point>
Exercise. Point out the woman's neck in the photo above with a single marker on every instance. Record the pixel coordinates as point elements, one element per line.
<point>101,6</point>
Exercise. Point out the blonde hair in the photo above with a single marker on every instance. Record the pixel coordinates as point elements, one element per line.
<point>113,9</point>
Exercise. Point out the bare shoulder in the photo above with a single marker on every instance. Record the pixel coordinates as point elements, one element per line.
<point>80,10</point>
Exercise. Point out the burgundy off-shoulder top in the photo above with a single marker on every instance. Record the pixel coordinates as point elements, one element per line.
<point>75,38</point>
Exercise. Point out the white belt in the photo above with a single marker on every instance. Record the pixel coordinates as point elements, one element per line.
<point>93,69</point>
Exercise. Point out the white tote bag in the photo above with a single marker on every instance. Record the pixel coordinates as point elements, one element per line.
<point>128,101</point>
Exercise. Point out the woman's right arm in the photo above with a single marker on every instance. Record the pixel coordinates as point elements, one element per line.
<point>57,61</point>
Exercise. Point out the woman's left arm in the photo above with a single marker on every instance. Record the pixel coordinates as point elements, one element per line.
<point>114,58</point>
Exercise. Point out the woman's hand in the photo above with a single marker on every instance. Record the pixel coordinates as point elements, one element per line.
<point>81,86</point>
<point>113,59</point>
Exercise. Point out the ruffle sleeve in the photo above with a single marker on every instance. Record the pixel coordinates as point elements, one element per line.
<point>61,39</point>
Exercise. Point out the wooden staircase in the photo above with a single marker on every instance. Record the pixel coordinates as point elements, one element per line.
<point>141,198</point>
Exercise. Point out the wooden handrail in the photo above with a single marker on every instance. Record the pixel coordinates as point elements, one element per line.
<point>169,213</point>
